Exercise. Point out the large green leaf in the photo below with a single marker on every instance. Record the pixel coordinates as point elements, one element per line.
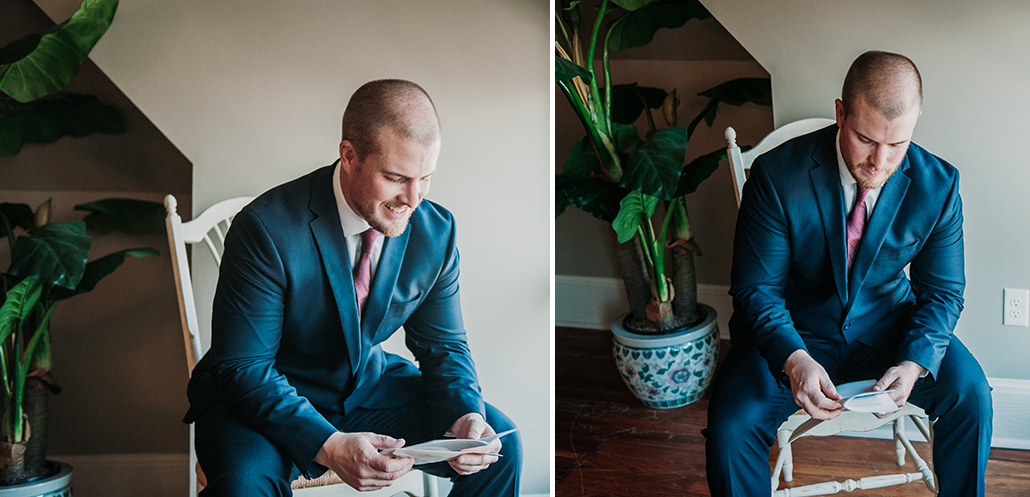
<point>741,91</point>
<point>17,216</point>
<point>565,69</point>
<point>50,118</point>
<point>570,13</point>
<point>654,166</point>
<point>55,253</point>
<point>18,303</point>
<point>634,208</point>
<point>699,170</point>
<point>637,28</point>
<point>628,101</point>
<point>123,215</point>
<point>581,161</point>
<point>631,4</point>
<point>98,269</point>
<point>625,136</point>
<point>561,202</point>
<point>734,92</point>
<point>59,53</point>
<point>597,198</point>
<point>19,48</point>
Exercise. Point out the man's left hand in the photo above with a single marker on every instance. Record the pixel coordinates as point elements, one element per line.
<point>901,379</point>
<point>472,426</point>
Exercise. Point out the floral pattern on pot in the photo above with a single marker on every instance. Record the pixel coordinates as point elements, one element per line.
<point>670,376</point>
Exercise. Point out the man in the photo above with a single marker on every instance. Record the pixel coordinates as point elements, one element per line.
<point>316,273</point>
<point>827,223</point>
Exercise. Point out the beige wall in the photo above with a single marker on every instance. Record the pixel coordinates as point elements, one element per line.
<point>972,56</point>
<point>252,93</point>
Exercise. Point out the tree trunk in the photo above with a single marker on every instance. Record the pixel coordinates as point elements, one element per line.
<point>634,276</point>
<point>36,404</point>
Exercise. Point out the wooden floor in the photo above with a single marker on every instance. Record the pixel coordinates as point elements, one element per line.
<point>608,444</point>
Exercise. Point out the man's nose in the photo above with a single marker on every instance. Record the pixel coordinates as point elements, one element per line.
<point>880,157</point>
<point>411,196</point>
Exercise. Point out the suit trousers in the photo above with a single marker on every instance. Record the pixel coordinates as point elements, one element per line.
<point>748,405</point>
<point>239,461</point>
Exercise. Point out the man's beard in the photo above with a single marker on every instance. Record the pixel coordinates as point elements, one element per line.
<point>864,182</point>
<point>389,229</point>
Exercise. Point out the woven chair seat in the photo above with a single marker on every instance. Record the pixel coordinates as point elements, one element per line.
<point>328,478</point>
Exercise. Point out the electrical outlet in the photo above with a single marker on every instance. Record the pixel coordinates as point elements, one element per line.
<point>1017,307</point>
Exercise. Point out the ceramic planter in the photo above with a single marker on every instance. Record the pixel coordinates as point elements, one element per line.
<point>671,370</point>
<point>57,485</point>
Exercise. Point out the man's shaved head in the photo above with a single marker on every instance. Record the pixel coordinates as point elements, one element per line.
<point>398,104</point>
<point>889,82</point>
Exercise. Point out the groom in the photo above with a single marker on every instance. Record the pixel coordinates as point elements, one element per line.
<point>316,274</point>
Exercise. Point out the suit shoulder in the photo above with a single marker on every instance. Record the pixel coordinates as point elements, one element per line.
<point>432,217</point>
<point>788,154</point>
<point>923,163</point>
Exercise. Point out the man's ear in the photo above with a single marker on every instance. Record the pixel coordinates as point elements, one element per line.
<point>348,156</point>
<point>839,109</point>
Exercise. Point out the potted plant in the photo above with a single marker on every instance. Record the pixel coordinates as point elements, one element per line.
<point>666,346</point>
<point>48,260</point>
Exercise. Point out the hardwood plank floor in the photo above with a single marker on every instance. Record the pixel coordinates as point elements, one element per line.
<point>608,444</point>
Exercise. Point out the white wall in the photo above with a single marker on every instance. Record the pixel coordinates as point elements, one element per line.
<point>252,93</point>
<point>972,56</point>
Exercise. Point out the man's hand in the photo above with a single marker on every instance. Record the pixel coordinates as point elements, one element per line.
<point>901,379</point>
<point>355,458</point>
<point>812,388</point>
<point>472,426</point>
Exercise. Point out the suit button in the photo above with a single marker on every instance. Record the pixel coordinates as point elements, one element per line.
<point>847,325</point>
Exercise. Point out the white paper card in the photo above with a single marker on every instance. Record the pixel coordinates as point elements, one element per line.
<point>443,449</point>
<point>858,396</point>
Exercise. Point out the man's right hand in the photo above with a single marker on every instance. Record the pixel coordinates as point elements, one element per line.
<point>356,460</point>
<point>811,385</point>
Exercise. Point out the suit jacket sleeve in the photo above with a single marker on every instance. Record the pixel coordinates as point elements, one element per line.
<point>761,262</point>
<point>938,279</point>
<point>246,330</point>
<point>435,334</point>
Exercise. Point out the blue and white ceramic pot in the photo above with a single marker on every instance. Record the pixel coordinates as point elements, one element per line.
<point>58,484</point>
<point>670,370</point>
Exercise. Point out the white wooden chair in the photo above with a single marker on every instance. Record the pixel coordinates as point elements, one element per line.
<point>848,421</point>
<point>216,221</point>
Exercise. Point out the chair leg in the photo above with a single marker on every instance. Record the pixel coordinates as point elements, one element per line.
<point>784,462</point>
<point>899,433</point>
<point>429,485</point>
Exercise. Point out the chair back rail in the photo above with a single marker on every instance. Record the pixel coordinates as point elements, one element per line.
<point>740,162</point>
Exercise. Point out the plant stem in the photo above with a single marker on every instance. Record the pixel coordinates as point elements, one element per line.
<point>561,28</point>
<point>606,67</point>
<point>595,91</point>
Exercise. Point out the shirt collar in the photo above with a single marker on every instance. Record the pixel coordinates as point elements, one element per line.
<point>846,178</point>
<point>353,224</point>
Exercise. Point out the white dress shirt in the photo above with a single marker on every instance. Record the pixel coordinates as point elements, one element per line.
<point>353,226</point>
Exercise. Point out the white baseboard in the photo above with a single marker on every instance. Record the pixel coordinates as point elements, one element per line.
<point>589,302</point>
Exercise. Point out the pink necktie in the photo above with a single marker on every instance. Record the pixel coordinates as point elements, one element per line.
<point>856,224</point>
<point>363,273</point>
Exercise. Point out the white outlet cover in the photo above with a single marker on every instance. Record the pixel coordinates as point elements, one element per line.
<point>1017,307</point>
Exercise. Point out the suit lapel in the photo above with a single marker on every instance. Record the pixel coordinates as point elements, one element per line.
<point>887,206</point>
<point>829,197</point>
<point>332,248</point>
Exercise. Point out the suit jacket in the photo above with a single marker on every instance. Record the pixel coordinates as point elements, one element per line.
<point>789,276</point>
<point>287,353</point>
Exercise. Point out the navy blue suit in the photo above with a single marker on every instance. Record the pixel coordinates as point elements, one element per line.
<point>791,291</point>
<point>289,364</point>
